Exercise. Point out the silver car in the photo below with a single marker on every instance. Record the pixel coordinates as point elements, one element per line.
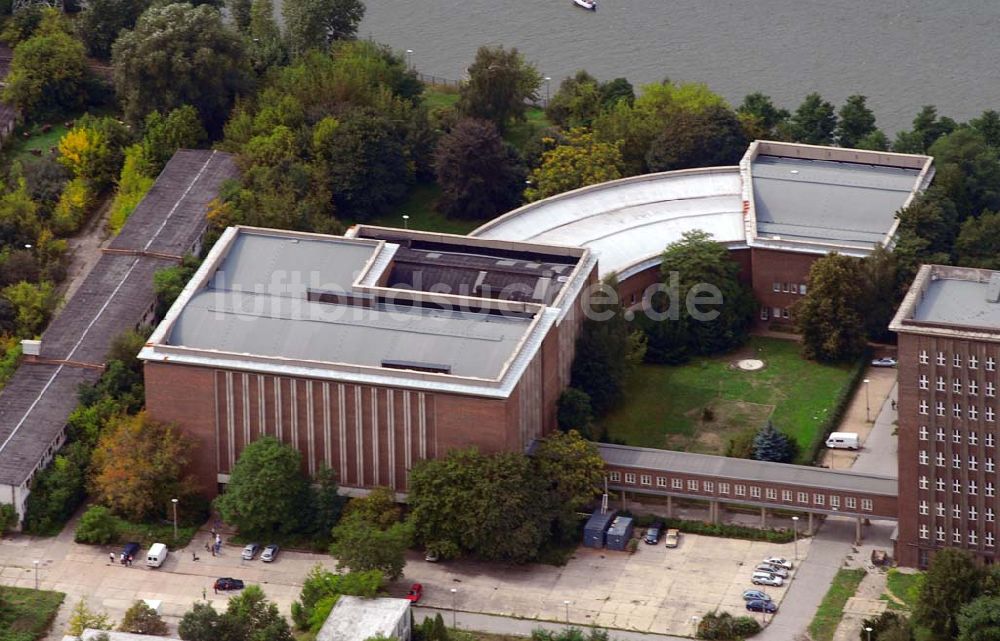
<point>250,551</point>
<point>270,553</point>
<point>773,569</point>
<point>766,578</point>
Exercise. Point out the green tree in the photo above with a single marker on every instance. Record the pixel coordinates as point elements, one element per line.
<point>240,11</point>
<point>855,122</point>
<point>968,171</point>
<point>575,412</point>
<point>314,24</point>
<point>881,292</point>
<point>258,617</point>
<point>927,231</point>
<point>361,545</point>
<point>266,489</point>
<point>8,518</point>
<point>487,506</point>
<point>988,126</point>
<point>952,580</point>
<point>814,122</point>
<point>480,175</point>
<point>168,283</point>
<point>103,20</point>
<point>164,135</point>
<point>327,503</point>
<point>267,48</point>
<point>48,73</point>
<point>82,617</point>
<point>34,303</point>
<point>693,270</point>
<point>137,462</point>
<point>978,243</point>
<point>202,623</point>
<point>980,620</point>
<point>323,585</point>
<point>576,103</point>
<point>578,161</point>
<point>92,150</point>
<point>179,55</point>
<point>500,82</point>
<point>97,526</point>
<point>600,367</point>
<point>927,128</point>
<point>760,117</point>
<point>706,138</point>
<point>830,317</point>
<point>142,619</point>
<point>874,141</point>
<point>771,445</point>
<point>573,472</point>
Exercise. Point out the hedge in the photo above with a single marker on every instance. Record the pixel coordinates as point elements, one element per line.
<point>839,408</point>
<point>726,530</point>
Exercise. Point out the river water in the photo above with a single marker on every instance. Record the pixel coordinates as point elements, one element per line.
<point>900,53</point>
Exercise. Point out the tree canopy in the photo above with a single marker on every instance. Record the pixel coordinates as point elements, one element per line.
<point>500,82</point>
<point>814,122</point>
<point>951,581</point>
<point>576,161</point>
<point>707,138</point>
<point>266,489</point>
<point>179,55</point>
<point>831,317</point>
<point>315,24</point>
<point>371,537</point>
<point>856,122</point>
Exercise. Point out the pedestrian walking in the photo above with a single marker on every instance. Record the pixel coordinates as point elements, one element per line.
<point>204,597</point>
<point>194,556</point>
<point>894,405</point>
<point>121,558</point>
<point>215,589</point>
<point>130,560</point>
<point>111,558</point>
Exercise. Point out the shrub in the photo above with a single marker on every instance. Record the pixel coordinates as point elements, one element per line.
<point>745,627</point>
<point>8,518</point>
<point>632,546</point>
<point>71,210</point>
<point>742,445</point>
<point>97,526</point>
<point>133,184</point>
<point>726,530</point>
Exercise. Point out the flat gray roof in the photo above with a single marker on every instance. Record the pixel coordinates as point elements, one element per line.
<point>958,302</point>
<point>257,303</point>
<point>357,619</point>
<point>746,469</point>
<point>827,201</point>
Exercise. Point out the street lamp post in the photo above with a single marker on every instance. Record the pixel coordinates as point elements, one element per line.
<point>694,625</point>
<point>174,501</point>
<point>406,221</point>
<point>869,631</point>
<point>566,603</point>
<point>454,596</point>
<point>35,563</point>
<point>409,58</point>
<point>547,81</point>
<point>868,407</point>
<point>795,536</point>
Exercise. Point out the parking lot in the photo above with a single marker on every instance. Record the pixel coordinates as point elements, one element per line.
<point>654,590</point>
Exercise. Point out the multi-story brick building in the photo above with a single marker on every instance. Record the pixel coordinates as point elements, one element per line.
<point>949,349</point>
<point>367,353</point>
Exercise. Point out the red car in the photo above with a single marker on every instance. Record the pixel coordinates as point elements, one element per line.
<point>416,591</point>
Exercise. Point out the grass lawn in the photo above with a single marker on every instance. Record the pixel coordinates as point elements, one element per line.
<point>419,206</point>
<point>22,147</point>
<point>664,404</point>
<point>831,610</point>
<point>904,587</point>
<point>146,534</point>
<point>518,134</point>
<point>27,614</point>
<point>437,96</point>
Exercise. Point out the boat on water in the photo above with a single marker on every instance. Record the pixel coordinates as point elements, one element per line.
<point>589,5</point>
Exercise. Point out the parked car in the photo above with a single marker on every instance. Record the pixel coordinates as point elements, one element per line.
<point>228,583</point>
<point>673,538</point>
<point>766,578</point>
<point>779,561</point>
<point>131,549</point>
<point>431,557</point>
<point>416,591</point>
<point>884,362</point>
<point>250,551</point>
<point>773,569</point>
<point>270,552</point>
<point>653,533</point>
<point>755,595</point>
<point>762,606</point>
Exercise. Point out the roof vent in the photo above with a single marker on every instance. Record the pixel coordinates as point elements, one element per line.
<point>993,288</point>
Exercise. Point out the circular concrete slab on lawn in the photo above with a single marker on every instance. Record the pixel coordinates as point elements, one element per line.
<point>750,364</point>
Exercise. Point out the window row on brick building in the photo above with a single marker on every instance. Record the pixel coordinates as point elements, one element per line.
<point>955,436</point>
<point>971,536</point>
<point>740,490</point>
<point>971,488</point>
<point>941,511</point>
<point>957,386</point>
<point>958,410</point>
<point>789,288</point>
<point>957,360</point>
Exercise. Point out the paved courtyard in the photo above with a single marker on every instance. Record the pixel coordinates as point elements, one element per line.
<point>655,590</point>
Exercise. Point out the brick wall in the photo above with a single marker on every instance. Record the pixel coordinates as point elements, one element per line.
<point>786,269</point>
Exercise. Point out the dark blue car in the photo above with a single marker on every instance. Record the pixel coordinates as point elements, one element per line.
<point>762,606</point>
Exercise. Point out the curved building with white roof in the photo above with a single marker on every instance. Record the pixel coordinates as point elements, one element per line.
<point>781,208</point>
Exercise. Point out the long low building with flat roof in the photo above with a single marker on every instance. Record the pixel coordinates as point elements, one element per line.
<point>368,352</point>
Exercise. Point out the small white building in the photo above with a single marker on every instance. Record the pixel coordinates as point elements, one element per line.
<point>357,619</point>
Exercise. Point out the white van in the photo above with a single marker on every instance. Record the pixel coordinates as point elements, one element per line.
<point>843,441</point>
<point>157,555</point>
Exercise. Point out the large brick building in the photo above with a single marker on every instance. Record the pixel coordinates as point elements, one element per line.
<point>367,353</point>
<point>949,347</point>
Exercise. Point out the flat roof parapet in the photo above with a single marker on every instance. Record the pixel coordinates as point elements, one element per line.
<point>950,301</point>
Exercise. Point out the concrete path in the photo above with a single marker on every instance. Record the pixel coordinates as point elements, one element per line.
<point>871,401</point>
<point>881,450</point>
